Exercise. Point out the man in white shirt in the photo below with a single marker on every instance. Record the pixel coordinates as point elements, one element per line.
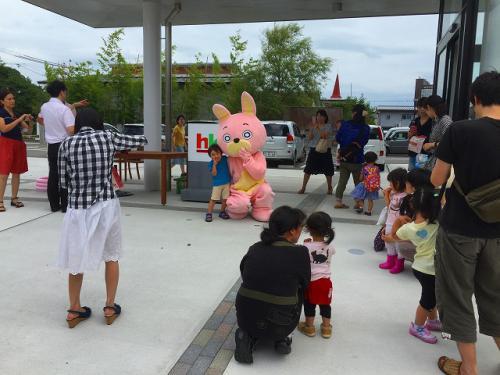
<point>58,120</point>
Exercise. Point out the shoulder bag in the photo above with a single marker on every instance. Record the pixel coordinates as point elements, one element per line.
<point>484,200</point>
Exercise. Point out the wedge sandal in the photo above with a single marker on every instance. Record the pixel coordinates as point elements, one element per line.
<point>449,366</point>
<point>82,315</point>
<point>117,310</point>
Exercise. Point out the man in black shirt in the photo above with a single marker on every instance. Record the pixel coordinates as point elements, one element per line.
<point>468,249</point>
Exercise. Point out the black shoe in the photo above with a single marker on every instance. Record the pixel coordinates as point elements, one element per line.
<point>244,347</point>
<point>283,346</point>
<point>55,209</point>
<point>122,193</point>
<point>63,210</point>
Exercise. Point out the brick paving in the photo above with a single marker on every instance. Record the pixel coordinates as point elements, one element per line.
<point>213,347</point>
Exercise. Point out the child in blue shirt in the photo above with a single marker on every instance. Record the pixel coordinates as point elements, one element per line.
<point>221,179</point>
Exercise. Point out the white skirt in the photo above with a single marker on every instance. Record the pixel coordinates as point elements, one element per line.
<point>91,236</point>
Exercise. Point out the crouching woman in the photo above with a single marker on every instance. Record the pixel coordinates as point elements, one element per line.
<point>275,272</point>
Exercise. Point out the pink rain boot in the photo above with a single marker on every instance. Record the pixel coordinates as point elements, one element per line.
<point>399,266</point>
<point>389,263</point>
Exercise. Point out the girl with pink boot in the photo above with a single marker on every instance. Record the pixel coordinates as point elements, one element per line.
<point>394,196</point>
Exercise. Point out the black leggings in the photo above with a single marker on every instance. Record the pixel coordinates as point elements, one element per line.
<point>428,282</point>
<point>310,310</point>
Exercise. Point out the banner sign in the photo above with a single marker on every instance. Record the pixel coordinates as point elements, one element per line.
<point>201,136</point>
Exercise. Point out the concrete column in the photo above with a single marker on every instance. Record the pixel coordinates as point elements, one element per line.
<point>168,84</point>
<point>152,89</point>
<point>490,50</point>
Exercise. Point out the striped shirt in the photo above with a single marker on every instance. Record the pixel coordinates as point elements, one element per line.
<point>85,162</point>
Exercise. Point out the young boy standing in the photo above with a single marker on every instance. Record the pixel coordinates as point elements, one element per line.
<point>221,179</point>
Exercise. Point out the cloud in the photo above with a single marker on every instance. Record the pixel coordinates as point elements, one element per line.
<point>380,57</point>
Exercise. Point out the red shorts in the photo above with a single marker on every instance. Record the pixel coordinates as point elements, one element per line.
<point>12,156</point>
<point>319,292</point>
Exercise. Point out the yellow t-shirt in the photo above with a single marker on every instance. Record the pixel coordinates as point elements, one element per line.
<point>423,236</point>
<point>179,133</point>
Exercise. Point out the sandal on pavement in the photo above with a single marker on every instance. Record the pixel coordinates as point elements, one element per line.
<point>301,191</point>
<point>82,315</point>
<point>330,191</point>
<point>341,205</point>
<point>116,312</point>
<point>368,213</point>
<point>449,366</point>
<point>16,202</point>
<point>2,207</point>
<point>223,215</point>
<point>208,218</point>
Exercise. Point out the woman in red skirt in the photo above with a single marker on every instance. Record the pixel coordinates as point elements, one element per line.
<point>319,291</point>
<point>13,158</point>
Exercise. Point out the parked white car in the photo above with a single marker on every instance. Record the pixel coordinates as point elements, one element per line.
<point>284,142</point>
<point>375,144</point>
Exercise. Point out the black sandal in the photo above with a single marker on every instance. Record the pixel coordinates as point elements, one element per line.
<point>82,315</point>
<point>15,202</point>
<point>2,207</point>
<point>116,312</point>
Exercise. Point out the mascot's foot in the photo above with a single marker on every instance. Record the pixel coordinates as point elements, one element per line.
<point>262,214</point>
<point>237,215</point>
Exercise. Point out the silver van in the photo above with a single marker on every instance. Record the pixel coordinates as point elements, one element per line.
<point>284,143</point>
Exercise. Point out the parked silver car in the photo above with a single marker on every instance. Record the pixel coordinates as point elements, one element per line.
<point>396,141</point>
<point>284,142</point>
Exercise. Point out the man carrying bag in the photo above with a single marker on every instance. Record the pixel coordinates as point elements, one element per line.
<point>468,243</point>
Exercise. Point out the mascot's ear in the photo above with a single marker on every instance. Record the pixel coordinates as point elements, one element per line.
<point>248,104</point>
<point>221,112</point>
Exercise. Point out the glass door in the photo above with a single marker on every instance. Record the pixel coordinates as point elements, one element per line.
<point>454,54</point>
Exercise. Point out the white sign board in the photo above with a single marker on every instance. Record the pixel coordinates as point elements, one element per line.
<point>201,136</point>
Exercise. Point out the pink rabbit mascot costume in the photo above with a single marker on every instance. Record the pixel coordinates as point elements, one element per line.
<point>241,137</point>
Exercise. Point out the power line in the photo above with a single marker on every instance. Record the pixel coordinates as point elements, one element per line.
<point>28,57</point>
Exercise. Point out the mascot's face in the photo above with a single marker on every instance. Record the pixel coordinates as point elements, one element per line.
<point>241,130</point>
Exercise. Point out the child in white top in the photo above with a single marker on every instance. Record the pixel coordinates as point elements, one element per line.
<point>394,196</point>
<point>319,291</point>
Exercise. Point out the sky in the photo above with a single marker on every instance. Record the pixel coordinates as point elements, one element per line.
<point>380,57</point>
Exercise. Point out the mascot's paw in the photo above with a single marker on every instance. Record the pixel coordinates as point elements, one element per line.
<point>262,213</point>
<point>237,215</point>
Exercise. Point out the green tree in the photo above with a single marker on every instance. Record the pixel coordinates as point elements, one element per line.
<point>29,96</point>
<point>287,73</point>
<point>347,105</point>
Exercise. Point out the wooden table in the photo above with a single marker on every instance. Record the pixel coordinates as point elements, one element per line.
<point>163,156</point>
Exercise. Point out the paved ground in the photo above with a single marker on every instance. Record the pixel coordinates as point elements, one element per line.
<point>176,272</point>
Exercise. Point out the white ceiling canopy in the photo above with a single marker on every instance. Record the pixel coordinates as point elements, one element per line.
<point>128,13</point>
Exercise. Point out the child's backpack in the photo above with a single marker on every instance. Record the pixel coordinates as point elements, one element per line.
<point>372,178</point>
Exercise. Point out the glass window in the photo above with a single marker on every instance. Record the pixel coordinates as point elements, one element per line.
<point>451,10</point>
<point>277,130</point>
<point>441,73</point>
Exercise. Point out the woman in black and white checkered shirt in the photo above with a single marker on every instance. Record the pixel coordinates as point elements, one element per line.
<point>91,230</point>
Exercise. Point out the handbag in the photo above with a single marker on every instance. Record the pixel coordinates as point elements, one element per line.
<point>378,242</point>
<point>322,146</point>
<point>484,200</point>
